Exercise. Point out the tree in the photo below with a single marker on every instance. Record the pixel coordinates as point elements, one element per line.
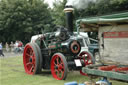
<point>58,14</point>
<point>20,19</point>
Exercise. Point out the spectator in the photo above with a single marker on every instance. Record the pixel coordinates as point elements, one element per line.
<point>1,50</point>
<point>16,46</point>
<point>20,44</point>
<point>7,47</point>
<point>12,46</point>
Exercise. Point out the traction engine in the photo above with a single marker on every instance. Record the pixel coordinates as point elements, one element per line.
<point>58,51</point>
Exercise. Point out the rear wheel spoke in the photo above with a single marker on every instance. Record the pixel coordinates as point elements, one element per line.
<point>55,64</point>
<point>28,54</point>
<point>31,52</point>
<point>31,69</point>
<point>55,70</point>
<point>61,63</point>
<point>29,63</point>
<point>57,59</point>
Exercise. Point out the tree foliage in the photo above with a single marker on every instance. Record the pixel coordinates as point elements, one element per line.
<point>58,14</point>
<point>20,19</point>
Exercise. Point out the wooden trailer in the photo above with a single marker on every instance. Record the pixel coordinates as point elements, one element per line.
<point>113,45</point>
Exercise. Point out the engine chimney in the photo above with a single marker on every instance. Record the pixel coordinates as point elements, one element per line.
<point>69,18</point>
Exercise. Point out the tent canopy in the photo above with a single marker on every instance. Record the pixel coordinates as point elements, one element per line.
<point>120,17</point>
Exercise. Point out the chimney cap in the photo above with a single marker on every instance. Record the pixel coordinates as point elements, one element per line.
<point>69,8</point>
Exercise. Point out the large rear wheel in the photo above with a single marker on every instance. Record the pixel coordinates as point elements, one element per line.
<point>59,66</point>
<point>87,58</point>
<point>32,59</point>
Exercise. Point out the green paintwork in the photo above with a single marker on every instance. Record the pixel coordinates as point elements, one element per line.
<point>55,45</point>
<point>120,17</point>
<point>109,74</point>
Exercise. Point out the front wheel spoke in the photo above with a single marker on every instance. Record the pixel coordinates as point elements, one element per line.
<point>62,73</point>
<point>55,70</point>
<point>61,66</point>
<point>86,61</point>
<point>85,57</point>
<point>58,73</point>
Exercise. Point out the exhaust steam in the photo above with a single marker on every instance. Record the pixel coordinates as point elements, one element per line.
<point>80,4</point>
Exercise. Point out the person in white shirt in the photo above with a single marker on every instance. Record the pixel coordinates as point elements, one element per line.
<point>16,47</point>
<point>1,50</point>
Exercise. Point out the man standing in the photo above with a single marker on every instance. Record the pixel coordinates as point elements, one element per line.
<point>1,50</point>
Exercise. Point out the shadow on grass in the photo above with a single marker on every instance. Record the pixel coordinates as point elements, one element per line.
<point>45,73</point>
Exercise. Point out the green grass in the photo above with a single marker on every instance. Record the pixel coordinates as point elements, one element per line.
<point>12,73</point>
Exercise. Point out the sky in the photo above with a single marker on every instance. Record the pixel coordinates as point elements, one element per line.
<point>50,2</point>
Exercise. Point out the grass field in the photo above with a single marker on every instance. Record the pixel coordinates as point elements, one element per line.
<point>12,73</point>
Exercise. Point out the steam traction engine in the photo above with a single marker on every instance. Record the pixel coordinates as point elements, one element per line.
<point>56,51</point>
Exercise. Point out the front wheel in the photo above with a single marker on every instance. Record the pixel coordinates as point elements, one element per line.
<point>87,58</point>
<point>59,66</point>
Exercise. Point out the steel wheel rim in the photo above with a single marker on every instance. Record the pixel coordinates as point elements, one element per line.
<point>29,59</point>
<point>82,57</point>
<point>57,67</point>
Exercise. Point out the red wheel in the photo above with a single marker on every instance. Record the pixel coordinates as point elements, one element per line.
<point>59,66</point>
<point>32,59</point>
<point>87,58</point>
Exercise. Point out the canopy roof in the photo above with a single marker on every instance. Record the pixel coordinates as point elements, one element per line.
<point>120,17</point>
